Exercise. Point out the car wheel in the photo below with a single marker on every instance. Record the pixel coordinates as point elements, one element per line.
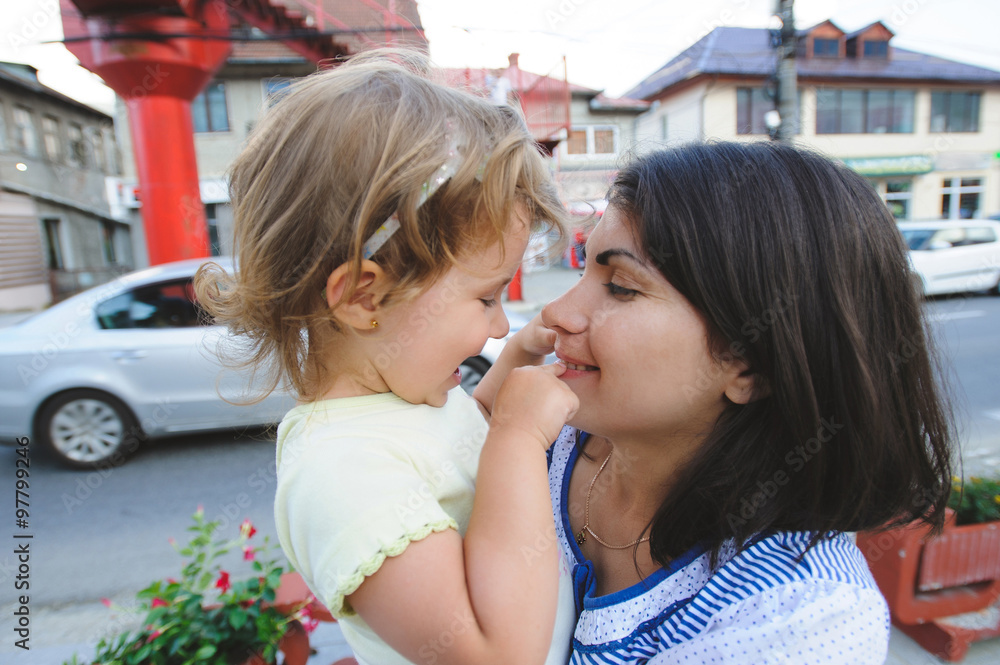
<point>88,428</point>
<point>473,371</point>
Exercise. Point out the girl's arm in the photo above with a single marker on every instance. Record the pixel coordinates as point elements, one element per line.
<point>491,598</point>
<point>528,346</point>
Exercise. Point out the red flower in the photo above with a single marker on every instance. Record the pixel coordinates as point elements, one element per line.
<point>159,602</point>
<point>248,553</point>
<point>153,635</point>
<point>106,602</point>
<point>223,581</point>
<point>246,529</point>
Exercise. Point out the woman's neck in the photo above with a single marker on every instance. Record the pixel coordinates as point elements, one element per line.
<point>639,474</point>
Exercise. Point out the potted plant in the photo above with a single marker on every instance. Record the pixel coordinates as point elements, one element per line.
<point>944,590</point>
<point>208,617</point>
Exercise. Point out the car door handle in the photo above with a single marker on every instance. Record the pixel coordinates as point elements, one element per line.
<point>131,354</point>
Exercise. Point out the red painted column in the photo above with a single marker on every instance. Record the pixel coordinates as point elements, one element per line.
<point>162,137</point>
<point>157,56</point>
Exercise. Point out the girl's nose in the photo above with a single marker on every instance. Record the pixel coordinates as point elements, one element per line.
<point>499,325</point>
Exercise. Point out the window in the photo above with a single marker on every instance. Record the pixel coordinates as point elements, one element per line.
<point>877,49</point>
<point>97,142</point>
<point>54,244</point>
<point>592,140</point>
<point>50,137</point>
<point>897,194</point>
<point>211,217</point>
<point>890,111</point>
<point>865,111</point>
<point>955,111</point>
<point>3,128</point>
<point>110,151</point>
<point>108,243</point>
<point>208,110</point>
<point>751,105</point>
<point>77,154</point>
<point>166,305</point>
<point>25,138</point>
<point>826,48</point>
<point>960,198</point>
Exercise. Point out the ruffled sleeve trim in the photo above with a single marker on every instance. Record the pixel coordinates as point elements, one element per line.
<point>346,585</point>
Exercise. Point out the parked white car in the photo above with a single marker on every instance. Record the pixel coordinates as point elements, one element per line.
<point>954,256</point>
<point>94,376</point>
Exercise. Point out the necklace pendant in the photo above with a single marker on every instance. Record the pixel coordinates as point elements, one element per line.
<point>581,537</point>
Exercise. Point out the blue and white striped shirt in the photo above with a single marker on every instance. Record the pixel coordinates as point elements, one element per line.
<point>762,605</point>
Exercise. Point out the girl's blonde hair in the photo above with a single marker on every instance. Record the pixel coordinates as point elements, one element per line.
<point>326,166</point>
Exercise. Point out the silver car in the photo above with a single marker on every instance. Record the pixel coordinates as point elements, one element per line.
<point>94,376</point>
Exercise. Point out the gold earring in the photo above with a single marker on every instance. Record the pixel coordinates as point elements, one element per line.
<point>374,323</point>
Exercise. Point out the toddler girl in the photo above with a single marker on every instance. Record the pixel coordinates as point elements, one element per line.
<point>378,217</point>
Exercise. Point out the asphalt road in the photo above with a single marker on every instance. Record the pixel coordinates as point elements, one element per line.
<point>105,534</point>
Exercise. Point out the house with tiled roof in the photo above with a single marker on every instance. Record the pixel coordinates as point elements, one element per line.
<point>924,129</point>
<point>586,132</point>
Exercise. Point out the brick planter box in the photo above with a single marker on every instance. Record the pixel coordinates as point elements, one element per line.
<point>944,592</point>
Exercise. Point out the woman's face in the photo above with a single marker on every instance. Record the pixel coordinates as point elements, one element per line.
<point>637,351</point>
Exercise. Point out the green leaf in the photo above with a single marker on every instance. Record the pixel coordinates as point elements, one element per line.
<point>237,618</point>
<point>205,652</point>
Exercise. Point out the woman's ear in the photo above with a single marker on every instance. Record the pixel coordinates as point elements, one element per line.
<point>360,307</point>
<point>743,385</point>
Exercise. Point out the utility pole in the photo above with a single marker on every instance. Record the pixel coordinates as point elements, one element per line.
<point>787,98</point>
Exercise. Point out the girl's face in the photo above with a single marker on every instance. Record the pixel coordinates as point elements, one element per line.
<point>637,351</point>
<point>431,336</point>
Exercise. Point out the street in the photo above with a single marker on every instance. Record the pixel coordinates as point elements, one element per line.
<point>105,533</point>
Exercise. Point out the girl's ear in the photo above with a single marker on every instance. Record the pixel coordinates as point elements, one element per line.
<point>360,307</point>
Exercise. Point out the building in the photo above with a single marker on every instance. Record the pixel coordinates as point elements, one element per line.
<point>256,71</point>
<point>923,129</point>
<point>57,233</point>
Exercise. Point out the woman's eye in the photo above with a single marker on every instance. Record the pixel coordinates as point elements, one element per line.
<point>616,290</point>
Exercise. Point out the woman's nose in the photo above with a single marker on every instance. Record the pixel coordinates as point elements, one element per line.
<point>565,314</point>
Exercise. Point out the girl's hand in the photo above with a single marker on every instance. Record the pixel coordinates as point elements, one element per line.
<point>534,339</point>
<point>533,401</point>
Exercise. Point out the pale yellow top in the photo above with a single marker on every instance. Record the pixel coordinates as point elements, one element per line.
<point>360,478</point>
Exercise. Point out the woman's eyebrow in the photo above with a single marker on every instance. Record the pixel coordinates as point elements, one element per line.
<point>603,257</point>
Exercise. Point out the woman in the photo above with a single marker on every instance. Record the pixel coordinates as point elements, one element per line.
<point>736,342</point>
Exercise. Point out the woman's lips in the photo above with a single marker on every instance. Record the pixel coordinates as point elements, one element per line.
<point>580,368</point>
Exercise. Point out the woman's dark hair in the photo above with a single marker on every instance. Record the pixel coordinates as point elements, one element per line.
<point>799,270</point>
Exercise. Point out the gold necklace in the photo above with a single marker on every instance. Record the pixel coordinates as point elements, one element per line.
<point>581,536</point>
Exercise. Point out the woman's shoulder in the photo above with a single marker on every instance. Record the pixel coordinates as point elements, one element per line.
<point>784,557</point>
<point>775,594</point>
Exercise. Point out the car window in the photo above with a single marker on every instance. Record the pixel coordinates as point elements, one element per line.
<point>165,305</point>
<point>952,236</point>
<point>917,238</point>
<point>980,234</point>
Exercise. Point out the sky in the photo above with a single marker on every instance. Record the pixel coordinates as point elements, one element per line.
<point>609,45</point>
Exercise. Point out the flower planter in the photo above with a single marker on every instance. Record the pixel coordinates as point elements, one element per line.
<point>944,592</point>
